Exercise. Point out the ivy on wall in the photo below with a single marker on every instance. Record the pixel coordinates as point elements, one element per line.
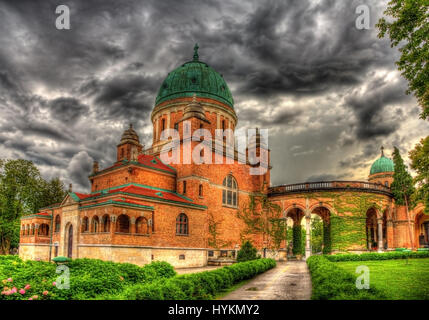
<point>296,240</point>
<point>346,228</point>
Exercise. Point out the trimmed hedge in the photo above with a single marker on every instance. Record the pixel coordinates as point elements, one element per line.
<point>198,286</point>
<point>378,256</point>
<point>330,282</point>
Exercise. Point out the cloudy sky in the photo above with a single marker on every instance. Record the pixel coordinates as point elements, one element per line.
<point>328,92</point>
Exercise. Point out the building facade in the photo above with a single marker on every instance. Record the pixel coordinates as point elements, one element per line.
<point>141,209</point>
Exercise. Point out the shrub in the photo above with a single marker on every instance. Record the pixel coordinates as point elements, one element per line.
<point>330,282</point>
<point>89,278</point>
<point>247,252</point>
<point>199,286</point>
<point>378,256</point>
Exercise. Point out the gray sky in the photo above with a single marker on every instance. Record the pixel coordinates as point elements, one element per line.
<point>329,93</point>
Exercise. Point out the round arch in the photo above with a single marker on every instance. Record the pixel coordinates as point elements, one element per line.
<point>69,235</point>
<point>421,230</point>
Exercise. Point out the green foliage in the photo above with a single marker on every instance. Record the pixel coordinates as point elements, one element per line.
<point>316,235</point>
<point>419,157</point>
<point>330,282</point>
<point>263,217</point>
<point>247,252</point>
<point>297,237</point>
<point>327,245</point>
<point>89,278</point>
<point>378,256</point>
<point>22,191</point>
<point>53,191</point>
<point>409,28</point>
<point>198,286</point>
<point>402,186</point>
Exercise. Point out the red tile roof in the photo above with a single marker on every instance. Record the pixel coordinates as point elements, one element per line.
<point>146,160</point>
<point>154,162</point>
<point>140,190</point>
<point>82,196</point>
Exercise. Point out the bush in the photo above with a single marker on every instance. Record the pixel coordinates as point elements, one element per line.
<point>199,286</point>
<point>89,278</point>
<point>378,256</point>
<point>247,252</point>
<point>330,282</point>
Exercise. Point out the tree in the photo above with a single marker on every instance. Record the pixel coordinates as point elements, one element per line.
<point>247,252</point>
<point>19,192</point>
<point>402,187</point>
<point>316,234</point>
<point>22,191</point>
<point>52,191</point>
<point>420,163</point>
<point>410,28</point>
<point>263,217</point>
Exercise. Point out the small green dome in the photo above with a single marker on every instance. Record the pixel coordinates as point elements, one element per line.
<point>382,164</point>
<point>195,77</point>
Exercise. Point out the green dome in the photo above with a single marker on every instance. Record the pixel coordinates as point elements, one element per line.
<point>195,77</point>
<point>382,164</point>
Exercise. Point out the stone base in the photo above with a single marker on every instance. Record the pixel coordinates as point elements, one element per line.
<point>34,252</point>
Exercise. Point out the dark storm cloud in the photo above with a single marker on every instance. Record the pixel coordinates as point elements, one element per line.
<point>369,106</point>
<point>298,67</point>
<point>67,110</point>
<point>127,96</point>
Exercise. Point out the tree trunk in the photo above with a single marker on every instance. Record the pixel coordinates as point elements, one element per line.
<point>409,224</point>
<point>5,247</point>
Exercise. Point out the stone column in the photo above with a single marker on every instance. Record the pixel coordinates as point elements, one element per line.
<point>132,225</point>
<point>112,225</point>
<point>307,236</point>
<point>380,234</point>
<point>389,234</point>
<point>36,232</point>
<point>368,237</point>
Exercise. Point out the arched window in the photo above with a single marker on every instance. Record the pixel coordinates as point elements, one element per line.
<point>95,224</point>
<point>386,183</point>
<point>184,187</point>
<point>32,229</point>
<point>182,224</point>
<point>85,224</point>
<point>142,226</point>
<point>57,223</point>
<point>106,223</point>
<point>123,224</point>
<point>229,192</point>
<point>200,190</point>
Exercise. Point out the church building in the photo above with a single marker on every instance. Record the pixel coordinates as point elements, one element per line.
<point>141,209</point>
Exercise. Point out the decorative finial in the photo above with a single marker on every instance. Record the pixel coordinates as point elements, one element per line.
<point>196,52</point>
<point>382,151</point>
<point>131,125</point>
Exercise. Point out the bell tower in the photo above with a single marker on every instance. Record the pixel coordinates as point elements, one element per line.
<point>129,146</point>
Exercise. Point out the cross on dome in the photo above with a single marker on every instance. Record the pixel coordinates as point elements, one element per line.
<point>196,52</point>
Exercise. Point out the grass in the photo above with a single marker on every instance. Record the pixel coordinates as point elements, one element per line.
<point>397,278</point>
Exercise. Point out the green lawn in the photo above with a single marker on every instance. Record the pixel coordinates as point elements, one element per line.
<point>399,280</point>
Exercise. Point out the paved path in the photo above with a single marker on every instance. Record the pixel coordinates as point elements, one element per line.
<point>287,281</point>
